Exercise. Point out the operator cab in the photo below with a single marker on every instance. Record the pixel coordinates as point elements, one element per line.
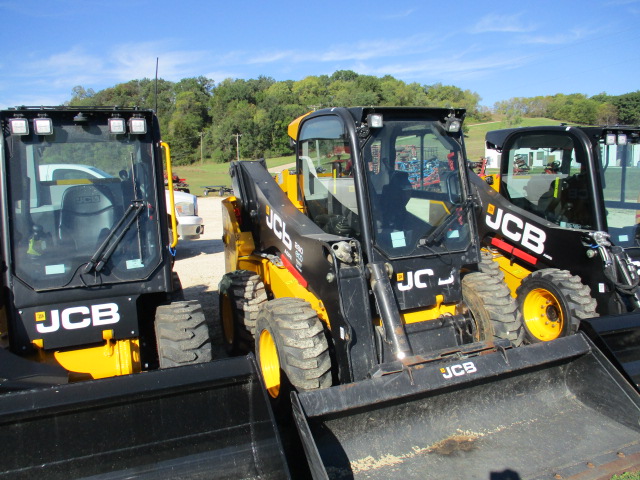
<point>411,202</point>
<point>82,199</point>
<point>585,178</point>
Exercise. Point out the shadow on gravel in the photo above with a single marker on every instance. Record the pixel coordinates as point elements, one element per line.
<point>193,248</point>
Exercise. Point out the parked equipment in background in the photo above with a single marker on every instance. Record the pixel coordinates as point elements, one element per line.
<point>360,292</point>
<point>565,235</point>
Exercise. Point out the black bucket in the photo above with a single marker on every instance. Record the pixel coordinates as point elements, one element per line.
<point>210,420</point>
<point>618,336</point>
<point>542,411</point>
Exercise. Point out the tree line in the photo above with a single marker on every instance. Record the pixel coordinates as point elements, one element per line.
<point>202,120</point>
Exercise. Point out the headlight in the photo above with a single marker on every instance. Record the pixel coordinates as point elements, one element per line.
<point>185,209</point>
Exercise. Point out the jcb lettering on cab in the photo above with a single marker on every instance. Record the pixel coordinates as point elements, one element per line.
<point>78,317</point>
<point>275,223</point>
<point>516,229</point>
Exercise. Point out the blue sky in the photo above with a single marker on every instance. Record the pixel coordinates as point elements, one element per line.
<point>499,49</point>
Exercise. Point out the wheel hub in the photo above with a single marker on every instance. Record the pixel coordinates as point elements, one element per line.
<point>543,314</point>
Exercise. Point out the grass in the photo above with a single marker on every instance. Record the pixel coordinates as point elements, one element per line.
<point>627,476</point>
<point>200,175</point>
<point>474,140</point>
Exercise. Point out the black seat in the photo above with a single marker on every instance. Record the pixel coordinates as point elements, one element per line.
<point>86,211</point>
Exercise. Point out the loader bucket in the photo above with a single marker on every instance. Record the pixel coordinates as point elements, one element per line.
<point>209,420</point>
<point>550,410</point>
<point>618,336</point>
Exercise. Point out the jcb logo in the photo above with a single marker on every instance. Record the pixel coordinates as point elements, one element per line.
<point>88,199</point>
<point>516,229</point>
<point>413,279</point>
<point>458,370</point>
<point>275,223</point>
<point>78,317</point>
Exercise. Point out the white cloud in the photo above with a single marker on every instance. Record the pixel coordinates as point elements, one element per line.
<point>502,23</point>
<point>556,39</point>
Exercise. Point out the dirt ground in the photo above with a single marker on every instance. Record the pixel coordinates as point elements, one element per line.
<point>200,264</point>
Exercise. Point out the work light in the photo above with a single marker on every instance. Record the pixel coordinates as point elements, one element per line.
<point>137,125</point>
<point>43,126</point>
<point>19,126</point>
<point>117,126</point>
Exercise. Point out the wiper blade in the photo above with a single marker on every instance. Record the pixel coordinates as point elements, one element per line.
<point>102,253</point>
<point>436,235</point>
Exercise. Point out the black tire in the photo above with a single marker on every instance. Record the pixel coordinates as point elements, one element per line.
<point>489,265</point>
<point>552,303</point>
<point>493,308</point>
<point>246,292</point>
<point>291,348</point>
<point>182,335</point>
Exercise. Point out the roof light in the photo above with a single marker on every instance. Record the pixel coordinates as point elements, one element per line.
<point>43,126</point>
<point>80,118</point>
<point>622,139</point>
<point>452,124</point>
<point>117,126</point>
<point>137,125</point>
<point>374,120</point>
<point>610,139</point>
<point>19,126</point>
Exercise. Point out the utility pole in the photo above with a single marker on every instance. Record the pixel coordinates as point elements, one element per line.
<point>201,148</point>
<point>237,135</point>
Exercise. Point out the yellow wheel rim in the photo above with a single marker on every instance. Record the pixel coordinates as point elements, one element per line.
<point>227,319</point>
<point>543,315</point>
<point>269,363</point>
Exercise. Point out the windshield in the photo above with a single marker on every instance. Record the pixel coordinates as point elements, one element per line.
<point>77,194</point>
<point>621,182</point>
<point>546,174</point>
<point>414,187</point>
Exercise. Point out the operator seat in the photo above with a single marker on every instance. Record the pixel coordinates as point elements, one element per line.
<point>395,196</point>
<point>86,211</point>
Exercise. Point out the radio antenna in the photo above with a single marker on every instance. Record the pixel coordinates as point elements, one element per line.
<point>156,86</point>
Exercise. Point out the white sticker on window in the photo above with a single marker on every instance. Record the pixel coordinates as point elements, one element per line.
<point>398,240</point>
<point>623,238</point>
<point>136,263</point>
<point>54,269</point>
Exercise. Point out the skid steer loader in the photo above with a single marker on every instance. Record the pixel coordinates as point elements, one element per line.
<point>356,279</point>
<point>565,235</point>
<point>88,293</point>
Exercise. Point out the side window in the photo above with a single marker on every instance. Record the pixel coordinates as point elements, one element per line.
<point>547,175</point>
<point>328,187</point>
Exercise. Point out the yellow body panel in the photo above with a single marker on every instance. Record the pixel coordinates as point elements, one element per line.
<point>294,126</point>
<point>513,274</point>
<point>236,243</point>
<point>288,182</point>
<point>430,313</point>
<point>114,357</point>
<point>281,283</point>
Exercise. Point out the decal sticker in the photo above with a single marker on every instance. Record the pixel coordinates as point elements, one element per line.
<point>278,227</point>
<point>414,279</point>
<point>446,281</point>
<point>54,269</point>
<point>516,229</point>
<point>398,240</point>
<point>78,317</point>
<point>459,370</point>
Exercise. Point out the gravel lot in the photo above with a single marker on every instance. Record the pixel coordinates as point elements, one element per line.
<point>200,264</point>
